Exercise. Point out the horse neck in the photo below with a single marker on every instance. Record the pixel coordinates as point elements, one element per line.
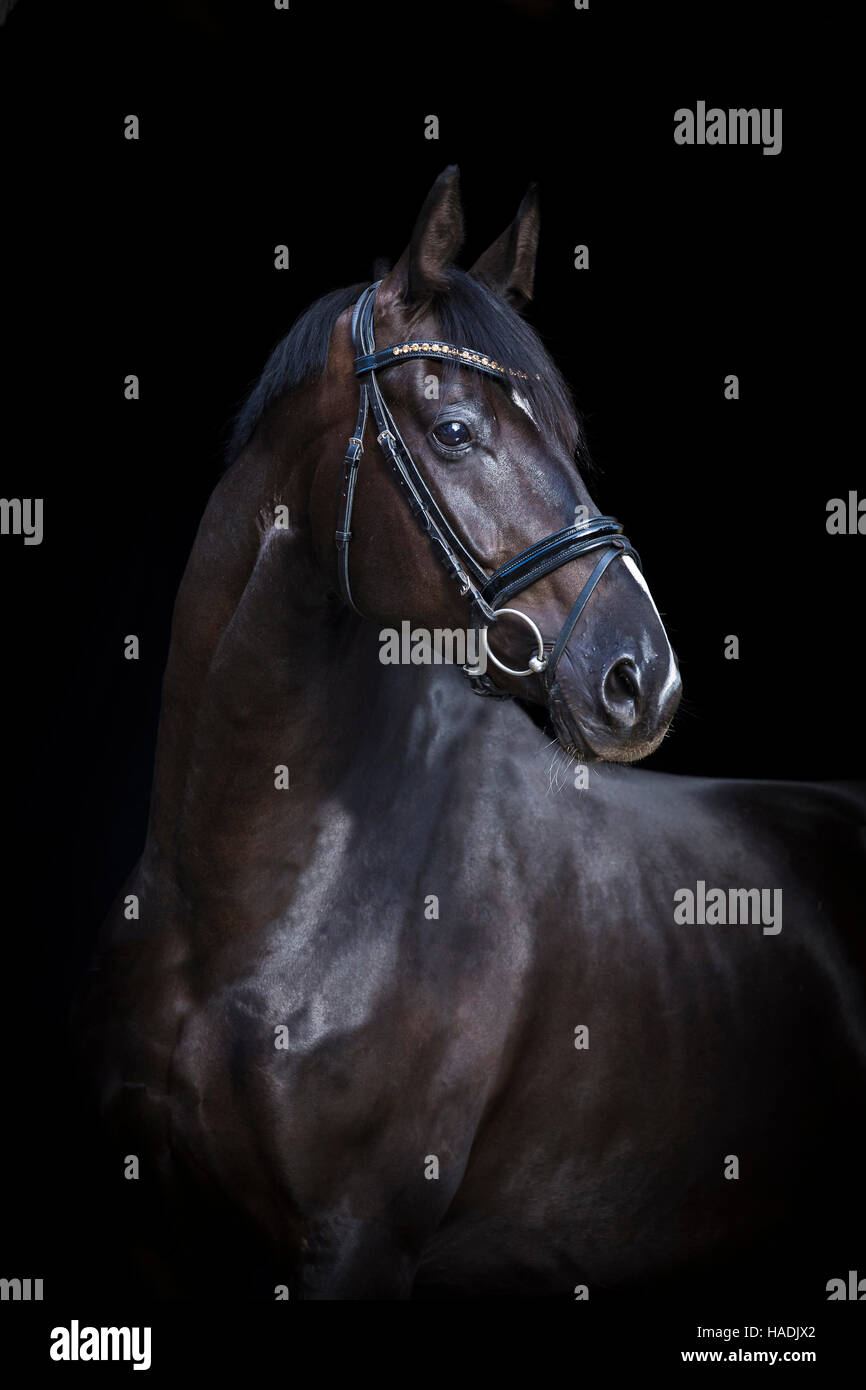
<point>267,671</point>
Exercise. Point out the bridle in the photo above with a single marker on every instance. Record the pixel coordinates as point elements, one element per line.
<point>488,593</point>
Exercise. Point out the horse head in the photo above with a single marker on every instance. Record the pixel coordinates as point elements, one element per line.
<point>473,422</point>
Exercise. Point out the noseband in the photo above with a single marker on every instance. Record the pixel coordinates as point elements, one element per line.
<point>488,593</point>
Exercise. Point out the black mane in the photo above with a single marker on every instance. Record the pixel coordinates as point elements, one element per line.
<point>303,353</point>
<point>467,313</point>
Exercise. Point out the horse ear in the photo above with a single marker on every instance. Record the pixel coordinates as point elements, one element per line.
<point>436,239</point>
<point>508,266</point>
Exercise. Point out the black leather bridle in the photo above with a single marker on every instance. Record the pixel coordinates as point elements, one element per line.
<point>488,593</point>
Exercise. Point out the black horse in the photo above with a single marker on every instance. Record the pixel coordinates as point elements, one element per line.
<point>379,998</point>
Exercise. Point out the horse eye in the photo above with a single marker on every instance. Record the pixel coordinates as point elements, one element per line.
<point>452,432</point>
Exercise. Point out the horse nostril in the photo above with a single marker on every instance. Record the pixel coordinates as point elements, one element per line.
<point>621,692</point>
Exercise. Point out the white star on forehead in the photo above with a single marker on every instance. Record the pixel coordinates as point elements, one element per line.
<point>523,405</point>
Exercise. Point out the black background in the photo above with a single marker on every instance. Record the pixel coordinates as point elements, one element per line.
<point>155,257</point>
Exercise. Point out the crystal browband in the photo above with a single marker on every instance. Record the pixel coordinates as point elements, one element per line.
<point>386,357</point>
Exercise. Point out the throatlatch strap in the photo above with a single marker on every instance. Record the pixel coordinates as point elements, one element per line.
<point>343,534</point>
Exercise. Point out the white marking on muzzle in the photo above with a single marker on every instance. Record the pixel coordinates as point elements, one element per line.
<point>672,674</point>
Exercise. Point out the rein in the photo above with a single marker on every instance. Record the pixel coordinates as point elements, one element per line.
<point>488,593</point>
